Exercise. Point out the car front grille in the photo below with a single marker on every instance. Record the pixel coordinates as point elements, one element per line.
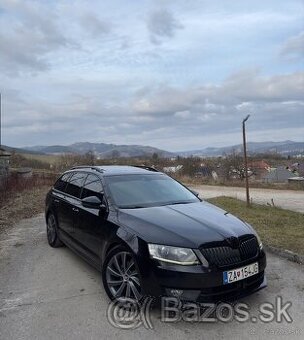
<point>225,255</point>
<point>249,248</point>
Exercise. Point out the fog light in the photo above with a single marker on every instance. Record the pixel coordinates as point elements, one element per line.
<point>176,292</point>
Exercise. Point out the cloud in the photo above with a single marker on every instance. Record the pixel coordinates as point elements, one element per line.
<point>294,46</point>
<point>182,114</point>
<point>162,24</point>
<point>26,37</point>
<point>158,113</point>
<point>243,87</point>
<point>250,86</point>
<point>87,70</point>
<point>93,25</point>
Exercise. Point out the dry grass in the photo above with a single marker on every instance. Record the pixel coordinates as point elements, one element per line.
<point>15,184</point>
<point>22,198</point>
<point>277,227</point>
<point>24,204</point>
<point>51,159</point>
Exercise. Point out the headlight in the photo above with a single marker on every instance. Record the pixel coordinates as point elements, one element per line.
<point>259,242</point>
<point>183,256</point>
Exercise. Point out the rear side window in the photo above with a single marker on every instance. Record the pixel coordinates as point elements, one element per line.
<point>92,187</point>
<point>75,183</point>
<point>62,182</point>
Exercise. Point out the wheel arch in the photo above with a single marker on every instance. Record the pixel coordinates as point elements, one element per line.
<point>124,238</point>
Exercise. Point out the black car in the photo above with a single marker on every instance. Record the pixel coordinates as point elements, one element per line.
<point>150,235</point>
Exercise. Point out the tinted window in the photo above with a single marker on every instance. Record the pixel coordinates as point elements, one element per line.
<point>75,184</point>
<point>130,191</point>
<point>62,182</point>
<point>92,187</point>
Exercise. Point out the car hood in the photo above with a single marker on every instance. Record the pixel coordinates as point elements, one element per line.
<point>186,225</point>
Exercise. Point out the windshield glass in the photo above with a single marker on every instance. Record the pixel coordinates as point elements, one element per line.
<point>139,191</point>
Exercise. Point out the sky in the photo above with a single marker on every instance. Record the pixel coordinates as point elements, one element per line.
<point>177,75</point>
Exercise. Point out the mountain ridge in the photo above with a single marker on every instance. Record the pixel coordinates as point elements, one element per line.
<point>104,150</point>
<point>284,148</point>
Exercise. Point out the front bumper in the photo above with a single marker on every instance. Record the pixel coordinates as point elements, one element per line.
<point>201,284</point>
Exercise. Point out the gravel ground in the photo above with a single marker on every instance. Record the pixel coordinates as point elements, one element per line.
<point>48,293</point>
<point>286,199</point>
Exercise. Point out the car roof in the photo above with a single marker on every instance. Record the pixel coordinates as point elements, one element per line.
<point>109,170</point>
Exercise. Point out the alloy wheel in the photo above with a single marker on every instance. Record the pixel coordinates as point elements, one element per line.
<point>122,277</point>
<point>51,229</point>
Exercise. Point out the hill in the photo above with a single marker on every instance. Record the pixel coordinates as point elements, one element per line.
<point>102,150</point>
<point>283,148</point>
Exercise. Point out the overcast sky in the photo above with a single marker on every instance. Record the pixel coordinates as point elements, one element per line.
<point>177,75</point>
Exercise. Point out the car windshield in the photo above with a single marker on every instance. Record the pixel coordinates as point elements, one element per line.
<point>140,191</point>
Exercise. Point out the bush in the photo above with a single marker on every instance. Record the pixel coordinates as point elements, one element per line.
<point>15,184</point>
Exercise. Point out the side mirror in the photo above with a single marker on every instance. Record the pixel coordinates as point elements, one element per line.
<point>92,202</point>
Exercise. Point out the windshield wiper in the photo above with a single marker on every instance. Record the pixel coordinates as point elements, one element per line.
<point>132,207</point>
<point>180,202</point>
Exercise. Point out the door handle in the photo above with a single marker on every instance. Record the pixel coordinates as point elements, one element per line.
<point>56,200</point>
<point>75,209</point>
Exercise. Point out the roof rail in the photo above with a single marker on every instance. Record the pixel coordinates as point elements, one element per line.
<point>146,167</point>
<point>87,167</point>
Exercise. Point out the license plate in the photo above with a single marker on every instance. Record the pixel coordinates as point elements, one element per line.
<point>240,273</point>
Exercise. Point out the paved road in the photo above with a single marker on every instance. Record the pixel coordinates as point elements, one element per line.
<point>286,199</point>
<point>50,293</point>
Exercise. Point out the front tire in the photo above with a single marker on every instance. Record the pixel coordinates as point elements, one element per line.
<point>51,231</point>
<point>120,275</point>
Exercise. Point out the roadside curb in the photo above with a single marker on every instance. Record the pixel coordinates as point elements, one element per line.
<point>287,254</point>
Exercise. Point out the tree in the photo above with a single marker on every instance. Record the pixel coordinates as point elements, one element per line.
<point>115,154</point>
<point>233,166</point>
<point>89,158</point>
<point>155,156</point>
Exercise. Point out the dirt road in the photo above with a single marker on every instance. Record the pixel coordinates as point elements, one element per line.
<point>286,199</point>
<point>48,293</point>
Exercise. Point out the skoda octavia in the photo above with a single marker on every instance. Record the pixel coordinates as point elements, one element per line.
<point>150,235</point>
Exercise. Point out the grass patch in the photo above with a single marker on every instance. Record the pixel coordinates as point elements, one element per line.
<point>277,227</point>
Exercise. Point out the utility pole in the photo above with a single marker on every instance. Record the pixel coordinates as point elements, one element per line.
<point>0,119</point>
<point>245,161</point>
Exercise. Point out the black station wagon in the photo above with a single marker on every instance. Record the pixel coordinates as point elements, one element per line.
<point>150,235</point>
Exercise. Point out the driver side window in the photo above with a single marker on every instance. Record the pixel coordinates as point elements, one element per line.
<point>92,187</point>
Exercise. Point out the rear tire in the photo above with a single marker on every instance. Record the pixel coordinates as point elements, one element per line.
<point>51,231</point>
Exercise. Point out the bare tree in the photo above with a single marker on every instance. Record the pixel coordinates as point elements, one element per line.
<point>233,166</point>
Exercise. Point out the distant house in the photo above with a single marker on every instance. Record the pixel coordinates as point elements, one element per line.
<point>172,169</point>
<point>298,168</point>
<point>296,179</point>
<point>259,168</point>
<point>278,175</point>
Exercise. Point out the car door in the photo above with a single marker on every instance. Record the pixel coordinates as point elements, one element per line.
<point>89,226</point>
<point>70,203</point>
<point>58,202</point>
